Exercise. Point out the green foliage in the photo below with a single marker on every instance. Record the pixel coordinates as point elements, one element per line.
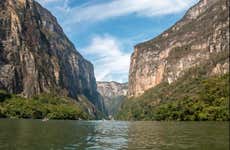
<point>1,113</point>
<point>41,106</point>
<point>188,99</point>
<point>4,95</point>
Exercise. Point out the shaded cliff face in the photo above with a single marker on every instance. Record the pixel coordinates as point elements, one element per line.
<point>201,36</point>
<point>36,56</point>
<point>113,94</point>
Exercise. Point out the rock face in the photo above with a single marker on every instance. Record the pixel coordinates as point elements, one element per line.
<point>113,94</point>
<point>36,56</point>
<point>111,89</point>
<point>201,36</point>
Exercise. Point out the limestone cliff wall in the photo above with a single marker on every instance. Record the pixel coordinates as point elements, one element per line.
<point>201,36</point>
<point>36,56</point>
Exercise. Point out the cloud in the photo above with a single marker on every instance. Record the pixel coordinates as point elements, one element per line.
<point>59,6</point>
<point>48,1</point>
<point>110,61</point>
<point>93,12</point>
<point>116,8</point>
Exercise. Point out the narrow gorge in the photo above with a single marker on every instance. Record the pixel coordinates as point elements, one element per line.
<point>171,55</point>
<point>114,94</point>
<point>43,75</point>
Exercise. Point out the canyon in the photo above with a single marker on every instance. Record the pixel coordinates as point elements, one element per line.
<point>37,58</point>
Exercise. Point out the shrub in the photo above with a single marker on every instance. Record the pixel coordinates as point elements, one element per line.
<point>42,106</point>
<point>187,99</point>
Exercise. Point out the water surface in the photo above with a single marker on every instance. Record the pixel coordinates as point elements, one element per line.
<point>112,135</point>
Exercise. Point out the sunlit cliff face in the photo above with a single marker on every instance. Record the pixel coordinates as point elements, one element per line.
<point>201,34</point>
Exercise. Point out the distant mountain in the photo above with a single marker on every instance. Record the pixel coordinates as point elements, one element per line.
<point>181,73</point>
<point>113,94</point>
<point>36,56</point>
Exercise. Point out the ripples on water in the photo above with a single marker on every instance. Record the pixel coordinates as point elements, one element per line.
<point>112,135</point>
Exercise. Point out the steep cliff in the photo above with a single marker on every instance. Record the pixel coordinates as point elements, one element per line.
<point>200,37</point>
<point>113,94</point>
<point>37,57</point>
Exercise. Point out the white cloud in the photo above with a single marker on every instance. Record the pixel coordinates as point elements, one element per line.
<point>61,6</point>
<point>115,8</point>
<point>110,61</point>
<point>48,1</point>
<point>91,11</point>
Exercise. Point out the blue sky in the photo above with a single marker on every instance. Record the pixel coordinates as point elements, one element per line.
<point>105,31</point>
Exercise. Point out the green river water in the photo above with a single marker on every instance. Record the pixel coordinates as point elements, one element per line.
<point>112,135</point>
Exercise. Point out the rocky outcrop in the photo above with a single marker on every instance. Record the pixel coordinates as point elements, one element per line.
<point>113,94</point>
<point>201,36</point>
<point>111,89</point>
<point>37,57</point>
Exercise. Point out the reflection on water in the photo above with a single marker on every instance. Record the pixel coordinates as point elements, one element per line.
<point>179,135</point>
<point>112,135</point>
<point>108,135</point>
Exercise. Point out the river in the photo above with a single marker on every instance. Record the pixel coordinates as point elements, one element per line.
<point>112,135</point>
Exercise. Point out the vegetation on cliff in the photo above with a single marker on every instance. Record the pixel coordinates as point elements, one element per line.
<point>45,105</point>
<point>188,99</point>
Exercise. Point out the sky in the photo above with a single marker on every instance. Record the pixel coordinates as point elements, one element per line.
<point>105,31</point>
